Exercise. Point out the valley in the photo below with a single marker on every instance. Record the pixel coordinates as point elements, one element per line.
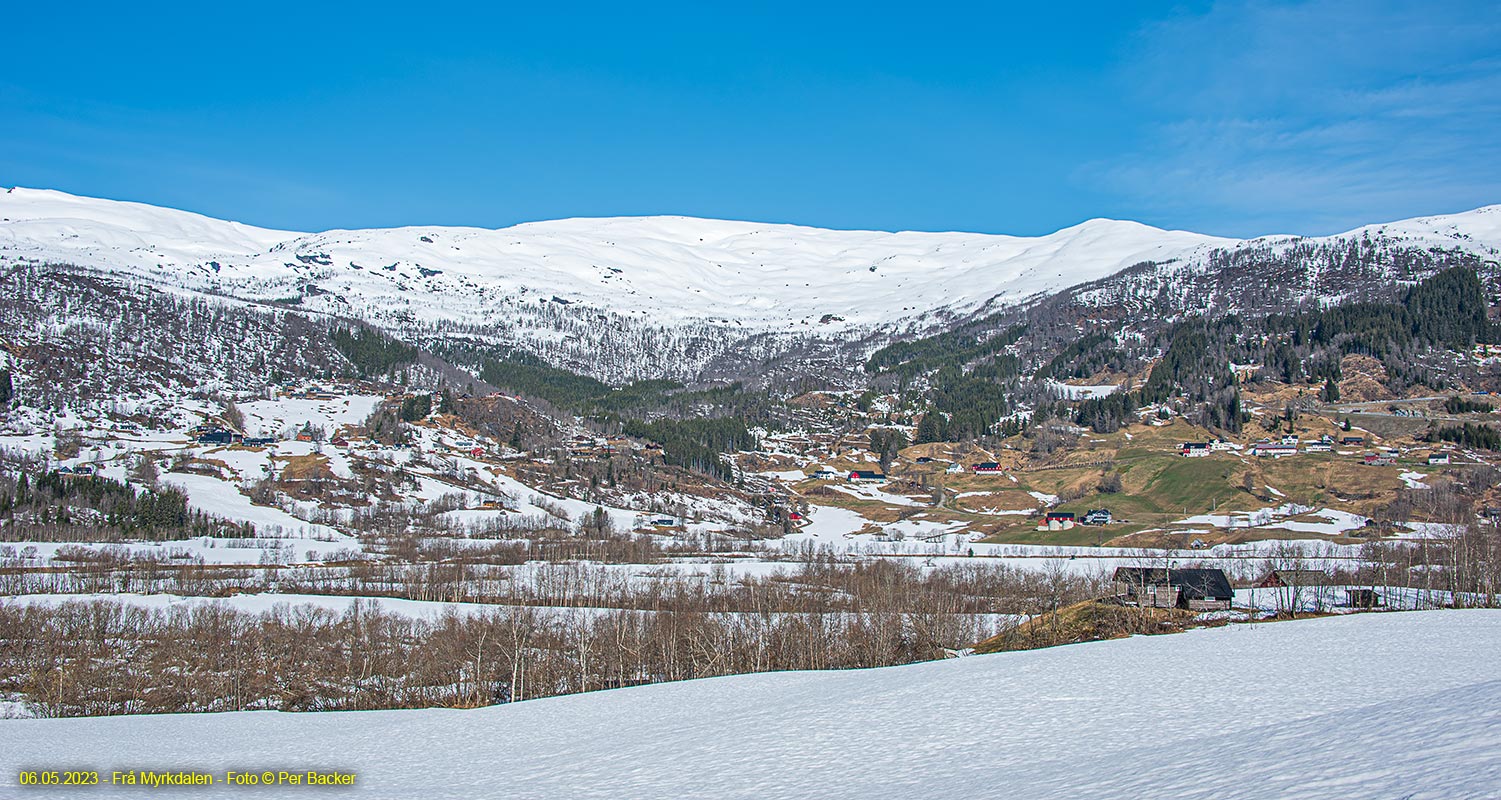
<point>191,455</point>
<point>745,402</point>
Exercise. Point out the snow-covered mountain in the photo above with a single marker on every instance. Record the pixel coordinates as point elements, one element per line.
<point>633,296</point>
<point>673,269</point>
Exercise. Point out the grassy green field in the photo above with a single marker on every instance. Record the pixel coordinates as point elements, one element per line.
<point>1158,487</point>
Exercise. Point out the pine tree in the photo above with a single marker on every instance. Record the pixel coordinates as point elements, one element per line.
<point>416,407</point>
<point>1330,394</point>
<point>929,430</point>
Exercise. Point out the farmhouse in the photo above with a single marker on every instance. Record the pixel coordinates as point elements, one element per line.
<point>1293,578</point>
<point>219,436</point>
<point>865,476</point>
<point>1057,521</point>
<point>1097,516</point>
<point>1374,460</point>
<point>1362,598</point>
<point>1435,459</point>
<point>1194,449</point>
<point>986,468</point>
<point>1273,449</point>
<point>1154,587</point>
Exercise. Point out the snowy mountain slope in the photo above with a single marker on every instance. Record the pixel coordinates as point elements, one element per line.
<point>1277,273</point>
<point>759,276</point>
<point>98,231</point>
<point>659,296</point>
<point>1358,706</point>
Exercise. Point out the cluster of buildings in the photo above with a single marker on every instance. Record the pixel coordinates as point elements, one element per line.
<point>585,446</point>
<point>1289,445</point>
<point>1067,520</point>
<point>210,433</point>
<point>1199,589</point>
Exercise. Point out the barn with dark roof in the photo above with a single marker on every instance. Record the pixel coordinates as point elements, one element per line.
<point>1194,589</point>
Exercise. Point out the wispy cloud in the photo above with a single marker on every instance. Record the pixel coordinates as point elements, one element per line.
<point>1313,117</point>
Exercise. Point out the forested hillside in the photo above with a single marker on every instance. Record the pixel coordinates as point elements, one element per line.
<point>972,379</point>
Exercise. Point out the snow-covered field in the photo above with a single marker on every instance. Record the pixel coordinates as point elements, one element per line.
<point>282,417</point>
<point>1373,705</point>
<point>1082,391</point>
<point>258,603</point>
<point>1334,522</point>
<point>223,499</point>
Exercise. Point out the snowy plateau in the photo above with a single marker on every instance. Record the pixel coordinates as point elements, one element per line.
<point>645,296</point>
<point>1357,706</point>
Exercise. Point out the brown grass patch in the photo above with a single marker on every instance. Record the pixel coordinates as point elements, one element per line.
<point>1089,621</point>
<point>305,468</point>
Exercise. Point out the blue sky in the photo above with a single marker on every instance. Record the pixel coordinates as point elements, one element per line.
<point>1227,118</point>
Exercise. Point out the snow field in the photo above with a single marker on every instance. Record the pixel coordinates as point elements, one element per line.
<point>1327,708</point>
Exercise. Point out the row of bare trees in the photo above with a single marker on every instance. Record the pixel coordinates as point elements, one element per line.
<point>1450,565</point>
<point>819,586</point>
<point>107,658</point>
<point>573,628</point>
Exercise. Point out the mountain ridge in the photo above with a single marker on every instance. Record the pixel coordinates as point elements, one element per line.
<point>863,276</point>
<point>667,296</point>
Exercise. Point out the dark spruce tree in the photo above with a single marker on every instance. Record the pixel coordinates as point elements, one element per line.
<point>1330,393</point>
<point>416,407</point>
<point>371,352</point>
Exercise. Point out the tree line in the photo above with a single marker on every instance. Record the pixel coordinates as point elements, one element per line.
<point>52,506</point>
<point>107,658</point>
